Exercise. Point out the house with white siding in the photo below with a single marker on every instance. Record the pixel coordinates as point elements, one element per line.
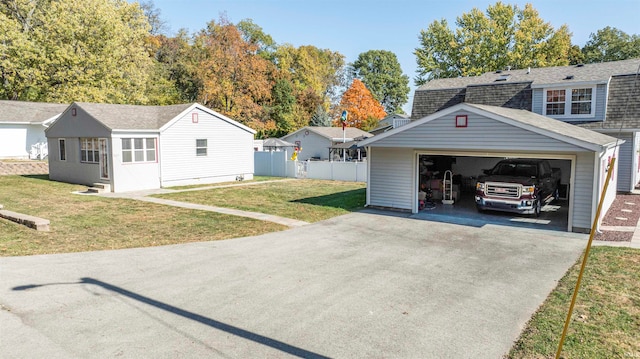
<point>130,147</point>
<point>22,126</point>
<point>469,137</point>
<point>317,142</point>
<point>603,97</point>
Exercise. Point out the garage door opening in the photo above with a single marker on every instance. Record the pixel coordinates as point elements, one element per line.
<point>464,172</point>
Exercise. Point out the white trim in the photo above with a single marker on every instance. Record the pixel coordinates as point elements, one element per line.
<point>498,117</point>
<point>572,158</point>
<point>568,101</point>
<point>210,112</point>
<point>368,192</point>
<point>571,84</point>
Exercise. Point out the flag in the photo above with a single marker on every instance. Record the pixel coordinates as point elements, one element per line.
<point>343,118</point>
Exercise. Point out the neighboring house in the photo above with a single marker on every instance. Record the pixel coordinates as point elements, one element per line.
<point>146,147</point>
<point>469,137</point>
<point>22,126</point>
<point>604,97</point>
<point>390,122</point>
<point>317,142</point>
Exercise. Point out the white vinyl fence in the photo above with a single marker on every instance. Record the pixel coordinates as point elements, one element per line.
<point>278,165</point>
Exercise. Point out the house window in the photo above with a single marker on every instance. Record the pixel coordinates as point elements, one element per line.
<point>62,148</point>
<point>555,102</point>
<point>201,147</point>
<point>570,102</point>
<point>89,150</point>
<point>138,150</point>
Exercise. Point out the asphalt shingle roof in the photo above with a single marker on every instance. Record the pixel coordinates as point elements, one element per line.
<point>597,72</point>
<point>132,117</point>
<point>29,112</point>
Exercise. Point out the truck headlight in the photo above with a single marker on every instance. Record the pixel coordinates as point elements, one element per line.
<point>480,186</point>
<point>528,189</point>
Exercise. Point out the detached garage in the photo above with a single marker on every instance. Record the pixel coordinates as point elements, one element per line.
<point>468,137</point>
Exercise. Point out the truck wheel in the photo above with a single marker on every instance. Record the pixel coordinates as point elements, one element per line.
<point>537,208</point>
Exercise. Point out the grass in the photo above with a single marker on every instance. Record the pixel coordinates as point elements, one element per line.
<point>86,223</point>
<point>606,319</point>
<point>255,179</point>
<point>306,200</point>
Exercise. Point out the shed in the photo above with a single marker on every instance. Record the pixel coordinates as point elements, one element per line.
<point>469,135</point>
<point>316,142</point>
<point>129,147</point>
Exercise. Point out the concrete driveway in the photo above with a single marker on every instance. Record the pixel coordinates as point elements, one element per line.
<point>361,285</point>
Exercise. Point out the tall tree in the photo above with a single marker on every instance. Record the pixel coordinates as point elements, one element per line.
<point>380,71</point>
<point>235,80</point>
<point>363,109</point>
<point>253,34</point>
<point>73,50</point>
<point>282,109</point>
<point>506,36</point>
<point>314,73</point>
<point>320,118</point>
<point>611,44</point>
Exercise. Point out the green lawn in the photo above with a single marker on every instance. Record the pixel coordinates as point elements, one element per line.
<point>86,223</point>
<point>606,320</point>
<point>255,179</point>
<point>306,200</point>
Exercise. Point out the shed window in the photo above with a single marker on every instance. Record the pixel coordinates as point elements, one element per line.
<point>201,147</point>
<point>89,150</point>
<point>62,149</point>
<point>138,150</point>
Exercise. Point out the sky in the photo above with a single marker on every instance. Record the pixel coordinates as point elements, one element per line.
<point>352,27</point>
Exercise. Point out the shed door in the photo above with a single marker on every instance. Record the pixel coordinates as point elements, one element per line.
<point>104,159</point>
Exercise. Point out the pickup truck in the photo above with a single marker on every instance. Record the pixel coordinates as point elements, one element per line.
<point>517,185</point>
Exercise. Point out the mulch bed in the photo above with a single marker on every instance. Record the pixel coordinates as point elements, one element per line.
<point>624,212</point>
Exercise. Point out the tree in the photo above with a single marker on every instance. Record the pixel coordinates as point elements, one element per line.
<point>506,36</point>
<point>235,80</point>
<point>320,118</point>
<point>314,73</point>
<point>611,44</point>
<point>282,109</point>
<point>73,50</point>
<point>381,73</point>
<point>363,109</point>
<point>253,34</point>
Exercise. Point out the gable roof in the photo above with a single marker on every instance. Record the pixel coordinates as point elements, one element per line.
<point>520,118</point>
<point>542,76</point>
<point>33,113</point>
<point>333,133</point>
<point>139,117</point>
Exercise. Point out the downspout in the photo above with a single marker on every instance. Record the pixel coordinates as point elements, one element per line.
<point>369,163</point>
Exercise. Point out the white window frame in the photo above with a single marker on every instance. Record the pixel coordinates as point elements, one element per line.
<point>200,148</point>
<point>62,149</point>
<point>94,150</point>
<point>140,150</point>
<point>568,101</point>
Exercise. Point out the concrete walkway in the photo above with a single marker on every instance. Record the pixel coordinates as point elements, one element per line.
<point>144,196</point>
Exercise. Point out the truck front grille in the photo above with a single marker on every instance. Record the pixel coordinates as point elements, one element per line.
<point>504,190</point>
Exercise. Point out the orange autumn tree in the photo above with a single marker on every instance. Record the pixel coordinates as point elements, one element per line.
<point>364,110</point>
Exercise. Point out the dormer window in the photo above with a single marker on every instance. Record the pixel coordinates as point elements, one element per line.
<point>570,102</point>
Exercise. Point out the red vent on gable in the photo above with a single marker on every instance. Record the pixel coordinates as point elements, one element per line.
<point>461,121</point>
<point>194,117</point>
<point>73,111</point>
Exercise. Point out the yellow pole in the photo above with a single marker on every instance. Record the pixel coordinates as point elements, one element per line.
<point>584,259</point>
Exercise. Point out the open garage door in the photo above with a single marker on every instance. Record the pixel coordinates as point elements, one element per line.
<point>465,168</point>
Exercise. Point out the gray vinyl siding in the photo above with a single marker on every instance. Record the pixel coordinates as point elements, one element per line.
<point>229,151</point>
<point>391,178</point>
<point>71,170</point>
<point>81,125</point>
<point>601,101</point>
<point>481,134</point>
<point>625,162</point>
<point>313,145</point>
<point>583,201</point>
